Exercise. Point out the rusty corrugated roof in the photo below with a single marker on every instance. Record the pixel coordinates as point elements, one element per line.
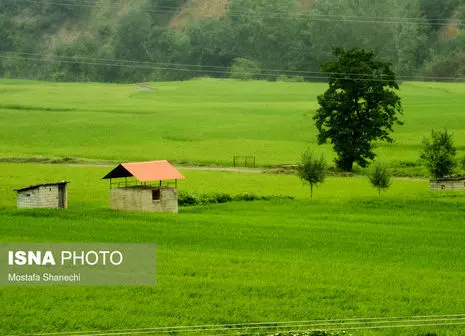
<point>146,171</point>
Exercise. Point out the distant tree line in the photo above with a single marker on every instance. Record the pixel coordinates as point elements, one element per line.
<point>256,39</point>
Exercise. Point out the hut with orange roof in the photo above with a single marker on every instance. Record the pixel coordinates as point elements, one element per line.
<point>144,186</point>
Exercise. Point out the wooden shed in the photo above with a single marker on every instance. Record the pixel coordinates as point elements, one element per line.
<point>144,186</point>
<point>45,195</point>
<point>449,183</point>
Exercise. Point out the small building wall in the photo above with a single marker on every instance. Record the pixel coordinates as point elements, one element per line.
<point>453,184</point>
<point>43,197</point>
<point>142,199</point>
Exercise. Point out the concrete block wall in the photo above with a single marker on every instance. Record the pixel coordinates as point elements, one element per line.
<point>140,199</point>
<point>447,185</point>
<point>41,197</point>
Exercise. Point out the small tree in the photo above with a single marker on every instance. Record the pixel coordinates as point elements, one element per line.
<point>311,169</point>
<point>439,153</point>
<point>380,176</point>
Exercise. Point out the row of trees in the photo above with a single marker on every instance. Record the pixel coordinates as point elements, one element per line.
<point>279,38</point>
<point>438,155</point>
<point>361,106</point>
<point>312,169</point>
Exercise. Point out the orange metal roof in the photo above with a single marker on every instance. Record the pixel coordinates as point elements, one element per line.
<point>147,171</point>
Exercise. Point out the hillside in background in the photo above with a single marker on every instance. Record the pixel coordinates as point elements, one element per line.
<point>197,10</point>
<point>154,40</point>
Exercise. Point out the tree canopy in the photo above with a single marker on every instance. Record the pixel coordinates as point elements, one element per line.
<point>311,169</point>
<point>161,40</point>
<point>360,106</point>
<point>380,176</point>
<point>439,153</point>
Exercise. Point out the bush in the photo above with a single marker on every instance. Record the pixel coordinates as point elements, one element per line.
<point>190,199</point>
<point>206,199</point>
<point>290,79</point>
<point>185,198</point>
<point>407,164</point>
<point>223,198</point>
<point>247,197</point>
<point>439,154</point>
<point>244,69</point>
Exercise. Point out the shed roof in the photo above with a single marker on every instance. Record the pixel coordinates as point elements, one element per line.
<point>42,185</point>
<point>146,171</point>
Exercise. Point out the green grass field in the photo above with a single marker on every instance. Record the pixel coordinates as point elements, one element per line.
<point>348,253</point>
<point>200,121</point>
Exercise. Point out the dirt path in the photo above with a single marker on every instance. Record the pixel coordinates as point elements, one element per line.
<point>207,169</point>
<point>217,169</point>
<point>233,170</point>
<point>220,169</point>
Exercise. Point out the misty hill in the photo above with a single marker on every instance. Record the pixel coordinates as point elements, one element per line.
<point>141,40</point>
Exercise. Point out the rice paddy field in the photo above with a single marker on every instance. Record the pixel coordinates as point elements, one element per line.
<point>348,254</point>
<point>200,121</point>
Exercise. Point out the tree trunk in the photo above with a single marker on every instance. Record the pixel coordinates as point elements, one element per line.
<point>344,163</point>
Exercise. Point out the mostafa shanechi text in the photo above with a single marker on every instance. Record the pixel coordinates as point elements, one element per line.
<point>93,264</point>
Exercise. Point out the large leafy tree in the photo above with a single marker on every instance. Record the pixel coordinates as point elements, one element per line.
<point>360,106</point>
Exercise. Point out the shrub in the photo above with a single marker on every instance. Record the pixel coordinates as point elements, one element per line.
<point>290,79</point>
<point>244,69</point>
<point>223,198</point>
<point>185,198</point>
<point>190,199</point>
<point>206,199</point>
<point>247,197</point>
<point>276,197</point>
<point>408,164</point>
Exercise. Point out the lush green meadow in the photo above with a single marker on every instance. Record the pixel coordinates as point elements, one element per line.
<point>346,254</point>
<point>90,190</point>
<point>202,121</point>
